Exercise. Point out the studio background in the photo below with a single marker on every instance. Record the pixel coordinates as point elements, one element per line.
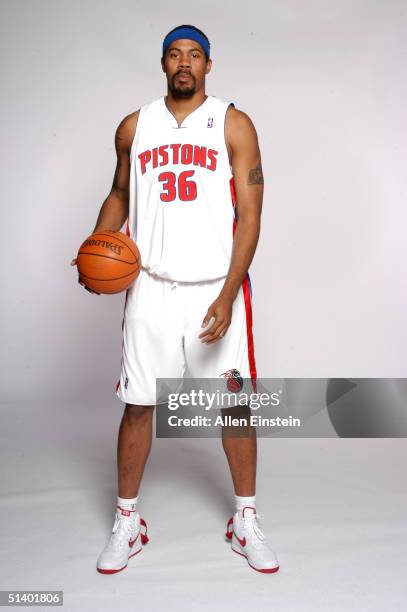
<point>324,83</point>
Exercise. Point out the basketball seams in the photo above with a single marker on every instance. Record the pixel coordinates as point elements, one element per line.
<point>131,263</point>
<point>106,280</point>
<point>119,239</point>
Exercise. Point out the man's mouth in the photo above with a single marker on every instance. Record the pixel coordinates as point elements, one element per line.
<point>183,76</point>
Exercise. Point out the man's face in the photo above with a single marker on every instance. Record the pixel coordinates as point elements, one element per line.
<point>185,66</point>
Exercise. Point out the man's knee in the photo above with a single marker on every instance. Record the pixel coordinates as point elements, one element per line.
<point>241,428</point>
<point>238,412</point>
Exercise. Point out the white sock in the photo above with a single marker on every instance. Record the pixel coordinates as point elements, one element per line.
<point>127,505</point>
<point>243,502</point>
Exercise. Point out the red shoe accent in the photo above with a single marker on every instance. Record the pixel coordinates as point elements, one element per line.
<point>144,537</point>
<point>124,511</point>
<point>241,542</point>
<point>268,570</point>
<point>131,542</point>
<point>228,533</point>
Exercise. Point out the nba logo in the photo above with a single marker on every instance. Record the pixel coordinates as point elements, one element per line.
<point>210,122</point>
<point>126,382</point>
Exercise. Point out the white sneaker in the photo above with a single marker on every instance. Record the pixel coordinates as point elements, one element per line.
<point>129,533</point>
<point>249,541</point>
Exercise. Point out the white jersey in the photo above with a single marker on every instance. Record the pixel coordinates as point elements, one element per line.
<point>182,207</point>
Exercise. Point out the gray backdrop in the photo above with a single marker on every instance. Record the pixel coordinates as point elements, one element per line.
<point>323,83</point>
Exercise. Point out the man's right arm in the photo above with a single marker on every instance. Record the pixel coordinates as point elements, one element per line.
<point>115,209</point>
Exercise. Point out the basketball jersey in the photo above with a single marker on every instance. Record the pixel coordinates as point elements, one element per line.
<point>181,206</point>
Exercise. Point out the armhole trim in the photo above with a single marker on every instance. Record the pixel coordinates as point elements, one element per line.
<point>228,105</point>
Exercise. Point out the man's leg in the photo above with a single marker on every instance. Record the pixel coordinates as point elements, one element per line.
<point>133,447</point>
<point>129,529</point>
<point>240,446</point>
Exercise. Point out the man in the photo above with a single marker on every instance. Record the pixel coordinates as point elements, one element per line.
<point>189,182</point>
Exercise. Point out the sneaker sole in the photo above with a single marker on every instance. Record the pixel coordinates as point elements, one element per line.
<point>268,570</point>
<point>114,571</point>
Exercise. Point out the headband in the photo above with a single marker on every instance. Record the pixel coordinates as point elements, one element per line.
<point>185,32</point>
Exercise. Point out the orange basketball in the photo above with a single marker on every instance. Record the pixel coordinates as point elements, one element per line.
<point>108,262</point>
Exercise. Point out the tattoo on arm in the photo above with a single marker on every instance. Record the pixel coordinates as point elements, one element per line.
<point>255,176</point>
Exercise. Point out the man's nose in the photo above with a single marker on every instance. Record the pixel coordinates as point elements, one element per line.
<point>184,62</point>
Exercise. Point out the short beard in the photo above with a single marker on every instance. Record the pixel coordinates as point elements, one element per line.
<point>182,92</point>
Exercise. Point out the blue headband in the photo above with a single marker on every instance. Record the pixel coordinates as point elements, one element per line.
<point>189,33</point>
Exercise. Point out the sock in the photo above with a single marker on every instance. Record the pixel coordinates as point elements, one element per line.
<point>242,502</point>
<point>128,506</point>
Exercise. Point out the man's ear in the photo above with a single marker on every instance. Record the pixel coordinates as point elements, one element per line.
<point>208,66</point>
<point>162,64</point>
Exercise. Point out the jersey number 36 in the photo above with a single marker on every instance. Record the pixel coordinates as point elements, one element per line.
<point>184,188</point>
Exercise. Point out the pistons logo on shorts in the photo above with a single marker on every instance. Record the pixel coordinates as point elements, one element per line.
<point>234,380</point>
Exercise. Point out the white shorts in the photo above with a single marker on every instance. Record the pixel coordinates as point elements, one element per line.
<point>161,324</point>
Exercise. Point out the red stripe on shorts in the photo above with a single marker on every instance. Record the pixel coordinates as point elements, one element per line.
<point>249,324</point>
<point>247,300</point>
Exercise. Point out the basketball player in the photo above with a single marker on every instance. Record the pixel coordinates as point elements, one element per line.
<point>189,183</point>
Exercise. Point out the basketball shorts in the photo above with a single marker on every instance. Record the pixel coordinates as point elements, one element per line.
<point>161,324</point>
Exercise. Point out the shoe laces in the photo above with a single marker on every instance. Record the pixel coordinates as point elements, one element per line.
<point>121,533</point>
<point>251,524</point>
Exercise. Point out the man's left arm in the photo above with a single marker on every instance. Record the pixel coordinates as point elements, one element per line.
<point>242,142</point>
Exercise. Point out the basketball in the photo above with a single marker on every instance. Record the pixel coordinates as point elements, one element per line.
<point>108,262</point>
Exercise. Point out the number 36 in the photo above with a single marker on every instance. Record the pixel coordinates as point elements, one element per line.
<point>186,188</point>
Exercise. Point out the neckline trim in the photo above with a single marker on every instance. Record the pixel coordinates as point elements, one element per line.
<point>169,113</point>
